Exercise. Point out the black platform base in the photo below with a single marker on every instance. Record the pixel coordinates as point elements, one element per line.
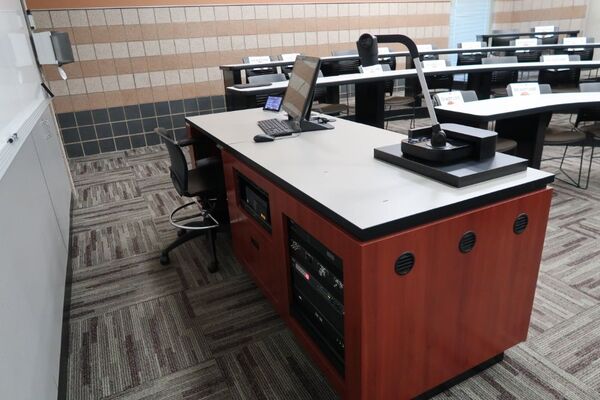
<point>460,378</point>
<point>460,174</point>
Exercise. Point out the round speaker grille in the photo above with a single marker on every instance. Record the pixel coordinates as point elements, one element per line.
<point>520,224</point>
<point>467,242</point>
<point>405,263</point>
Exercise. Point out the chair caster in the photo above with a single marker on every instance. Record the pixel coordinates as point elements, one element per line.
<point>213,267</point>
<point>164,258</point>
<point>181,232</point>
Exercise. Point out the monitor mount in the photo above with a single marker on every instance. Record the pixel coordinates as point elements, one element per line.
<point>455,154</point>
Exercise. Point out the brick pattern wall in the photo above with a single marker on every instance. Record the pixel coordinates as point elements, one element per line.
<point>525,14</point>
<point>140,56</point>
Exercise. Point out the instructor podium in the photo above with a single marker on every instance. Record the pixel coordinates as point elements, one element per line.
<point>396,285</point>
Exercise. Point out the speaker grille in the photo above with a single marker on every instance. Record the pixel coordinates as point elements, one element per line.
<point>405,263</point>
<point>521,223</point>
<point>467,242</point>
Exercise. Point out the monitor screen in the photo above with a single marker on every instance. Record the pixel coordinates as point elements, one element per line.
<point>299,93</point>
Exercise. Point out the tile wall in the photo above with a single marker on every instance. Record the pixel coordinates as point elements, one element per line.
<point>524,14</point>
<point>132,60</point>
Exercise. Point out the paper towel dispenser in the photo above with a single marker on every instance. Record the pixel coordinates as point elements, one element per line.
<point>53,47</point>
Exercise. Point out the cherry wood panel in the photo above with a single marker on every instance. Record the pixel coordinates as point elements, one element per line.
<point>453,310</point>
<point>404,334</point>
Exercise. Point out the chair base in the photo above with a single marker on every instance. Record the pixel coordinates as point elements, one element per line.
<point>190,230</point>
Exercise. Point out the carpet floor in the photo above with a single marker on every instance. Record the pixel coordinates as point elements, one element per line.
<point>137,330</point>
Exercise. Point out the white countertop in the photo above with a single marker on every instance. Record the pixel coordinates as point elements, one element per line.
<point>336,170</point>
<point>492,108</point>
<point>408,73</point>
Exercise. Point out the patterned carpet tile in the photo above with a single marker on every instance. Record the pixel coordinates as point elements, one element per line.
<point>105,193</point>
<point>555,302</point>
<point>523,374</point>
<point>233,314</point>
<point>116,284</point>
<point>109,214</point>
<point>201,382</point>
<point>574,346</point>
<point>273,367</point>
<point>106,243</point>
<point>122,349</point>
<point>139,330</point>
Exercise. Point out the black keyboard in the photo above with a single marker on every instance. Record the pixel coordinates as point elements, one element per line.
<point>275,127</point>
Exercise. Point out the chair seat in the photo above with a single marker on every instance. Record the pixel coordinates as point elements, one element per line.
<point>201,181</point>
<point>330,108</point>
<point>562,136</point>
<point>504,145</point>
<point>399,101</point>
<point>592,130</point>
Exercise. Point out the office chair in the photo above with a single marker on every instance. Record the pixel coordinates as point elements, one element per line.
<point>592,131</point>
<point>258,71</point>
<point>525,55</point>
<point>321,105</point>
<point>501,79</point>
<point>261,99</point>
<point>287,69</point>
<point>558,136</point>
<point>503,40</point>
<point>503,145</point>
<point>342,67</point>
<point>397,102</point>
<point>473,58</point>
<point>546,37</point>
<point>561,80</point>
<point>203,183</point>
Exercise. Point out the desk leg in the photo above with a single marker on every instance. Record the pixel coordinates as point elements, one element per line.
<point>528,132</point>
<point>230,78</point>
<point>481,83</point>
<point>370,104</point>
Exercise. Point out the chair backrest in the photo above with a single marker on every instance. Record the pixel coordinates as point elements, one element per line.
<point>470,58</point>
<point>588,114</point>
<point>561,76</point>
<point>585,54</point>
<point>261,99</point>
<point>502,78</point>
<point>267,78</point>
<point>545,34</point>
<point>528,88</point>
<point>178,168</point>
<point>291,57</point>
<point>525,55</point>
<point>503,40</point>
<point>447,98</point>
<point>258,71</point>
<point>343,67</point>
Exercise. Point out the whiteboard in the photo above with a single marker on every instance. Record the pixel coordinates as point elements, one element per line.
<point>20,90</point>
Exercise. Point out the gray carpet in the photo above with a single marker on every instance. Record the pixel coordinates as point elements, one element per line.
<point>138,330</point>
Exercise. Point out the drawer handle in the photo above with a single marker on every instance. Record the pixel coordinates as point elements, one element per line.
<point>254,243</point>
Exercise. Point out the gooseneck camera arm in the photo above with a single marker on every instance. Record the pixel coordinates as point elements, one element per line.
<point>367,51</point>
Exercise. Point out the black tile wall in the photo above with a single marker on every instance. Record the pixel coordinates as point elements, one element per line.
<point>121,128</point>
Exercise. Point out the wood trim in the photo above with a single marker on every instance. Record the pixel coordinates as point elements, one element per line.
<point>78,4</point>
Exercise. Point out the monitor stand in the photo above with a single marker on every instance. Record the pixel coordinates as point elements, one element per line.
<point>309,126</point>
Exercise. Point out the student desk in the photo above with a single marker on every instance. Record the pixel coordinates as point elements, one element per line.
<point>370,109</point>
<point>487,37</point>
<point>523,119</point>
<point>232,72</point>
<point>404,334</point>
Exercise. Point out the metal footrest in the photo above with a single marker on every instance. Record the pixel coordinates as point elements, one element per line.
<point>199,221</point>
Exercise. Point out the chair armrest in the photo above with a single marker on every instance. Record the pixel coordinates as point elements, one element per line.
<point>204,162</point>
<point>186,142</point>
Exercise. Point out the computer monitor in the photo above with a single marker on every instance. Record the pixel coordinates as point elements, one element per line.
<point>301,86</point>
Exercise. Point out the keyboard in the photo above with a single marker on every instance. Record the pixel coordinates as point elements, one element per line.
<point>275,127</point>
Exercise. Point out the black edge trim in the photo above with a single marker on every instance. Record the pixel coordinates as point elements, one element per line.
<point>392,226</point>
